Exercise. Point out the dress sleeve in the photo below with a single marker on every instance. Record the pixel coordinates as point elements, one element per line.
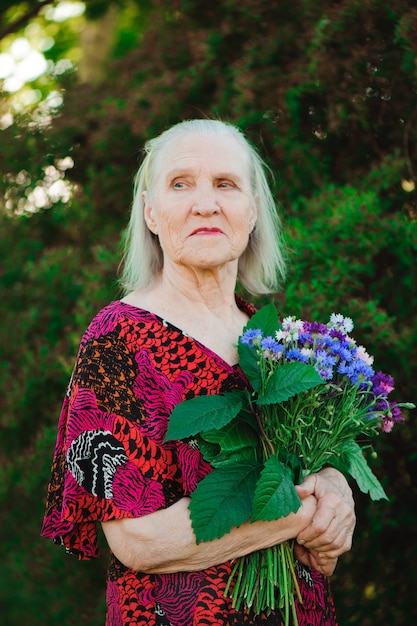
<point>110,459</point>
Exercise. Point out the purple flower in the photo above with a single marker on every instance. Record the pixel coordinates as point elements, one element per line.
<point>315,328</point>
<point>382,384</point>
<point>396,415</point>
<point>337,334</point>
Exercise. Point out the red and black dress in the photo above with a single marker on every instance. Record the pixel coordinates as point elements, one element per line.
<point>111,462</point>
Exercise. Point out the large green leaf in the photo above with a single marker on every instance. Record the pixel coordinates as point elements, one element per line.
<point>265,318</point>
<point>275,494</point>
<point>248,361</point>
<point>223,499</point>
<point>203,413</point>
<point>288,380</point>
<point>359,469</point>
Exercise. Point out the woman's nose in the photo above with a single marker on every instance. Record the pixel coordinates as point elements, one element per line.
<point>205,201</point>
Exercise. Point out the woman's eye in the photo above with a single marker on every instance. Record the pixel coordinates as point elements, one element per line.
<point>178,184</point>
<point>225,184</point>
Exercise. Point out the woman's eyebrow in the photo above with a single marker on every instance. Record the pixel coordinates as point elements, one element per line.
<point>180,171</point>
<point>229,176</point>
<point>190,171</point>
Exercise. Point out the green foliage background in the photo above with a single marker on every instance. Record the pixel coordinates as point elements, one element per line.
<point>328,91</point>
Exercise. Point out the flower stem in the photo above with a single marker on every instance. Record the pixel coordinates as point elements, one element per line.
<point>265,580</point>
<point>264,439</point>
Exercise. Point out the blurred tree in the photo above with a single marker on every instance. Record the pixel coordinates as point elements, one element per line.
<point>328,92</point>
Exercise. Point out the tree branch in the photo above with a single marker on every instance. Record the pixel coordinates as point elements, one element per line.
<point>24,19</point>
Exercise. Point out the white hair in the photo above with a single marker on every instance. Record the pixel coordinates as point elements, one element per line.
<point>261,267</point>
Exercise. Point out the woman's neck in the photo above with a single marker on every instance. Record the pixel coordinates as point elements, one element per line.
<point>210,290</point>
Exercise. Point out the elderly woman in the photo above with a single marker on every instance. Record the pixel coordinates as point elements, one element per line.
<point>203,218</point>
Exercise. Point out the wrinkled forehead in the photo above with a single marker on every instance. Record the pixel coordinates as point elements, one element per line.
<point>218,153</point>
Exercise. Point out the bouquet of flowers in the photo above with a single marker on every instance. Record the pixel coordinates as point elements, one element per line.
<point>313,393</point>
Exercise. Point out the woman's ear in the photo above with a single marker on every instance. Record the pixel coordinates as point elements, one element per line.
<point>148,215</point>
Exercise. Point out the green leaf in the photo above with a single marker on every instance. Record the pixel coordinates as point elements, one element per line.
<point>235,441</point>
<point>248,361</point>
<point>359,470</point>
<point>203,413</point>
<point>353,462</point>
<point>233,436</point>
<point>288,380</point>
<point>223,499</point>
<point>292,461</point>
<point>341,462</point>
<point>213,455</point>
<point>275,494</point>
<point>266,318</point>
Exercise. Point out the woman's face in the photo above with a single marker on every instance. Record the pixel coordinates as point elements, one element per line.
<point>201,206</point>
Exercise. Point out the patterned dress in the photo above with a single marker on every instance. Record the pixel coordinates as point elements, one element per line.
<point>111,462</point>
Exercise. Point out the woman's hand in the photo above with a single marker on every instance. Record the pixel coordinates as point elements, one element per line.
<point>331,530</point>
<point>322,563</point>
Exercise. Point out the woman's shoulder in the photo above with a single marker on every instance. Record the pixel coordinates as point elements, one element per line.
<point>103,321</point>
<point>106,321</point>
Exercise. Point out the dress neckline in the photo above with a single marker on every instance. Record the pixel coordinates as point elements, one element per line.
<point>244,306</point>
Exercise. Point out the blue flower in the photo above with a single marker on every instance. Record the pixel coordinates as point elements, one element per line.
<point>271,345</point>
<point>357,371</point>
<point>323,363</point>
<point>295,354</point>
<point>251,336</point>
<point>306,338</point>
<point>341,349</point>
<point>321,357</point>
<point>325,372</point>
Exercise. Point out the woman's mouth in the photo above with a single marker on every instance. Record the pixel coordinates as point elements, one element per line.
<point>207,231</point>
